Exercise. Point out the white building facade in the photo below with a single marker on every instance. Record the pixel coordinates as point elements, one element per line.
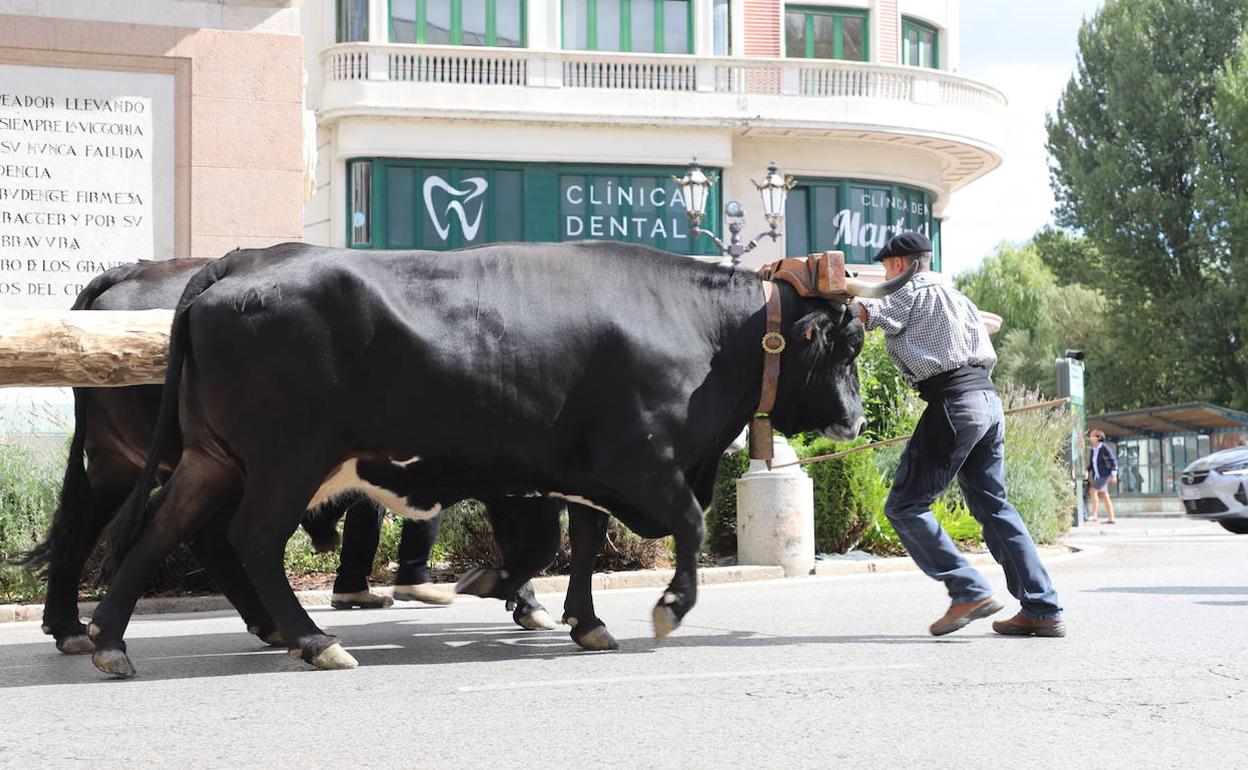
<point>445,123</point>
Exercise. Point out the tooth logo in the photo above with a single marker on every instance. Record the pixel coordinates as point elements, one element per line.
<point>455,200</point>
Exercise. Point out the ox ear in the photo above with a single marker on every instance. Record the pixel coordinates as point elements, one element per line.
<point>816,329</point>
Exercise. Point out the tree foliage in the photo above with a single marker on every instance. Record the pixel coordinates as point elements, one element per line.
<point>1148,162</point>
<point>1041,317</point>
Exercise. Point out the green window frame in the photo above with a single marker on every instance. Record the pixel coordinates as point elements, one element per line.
<point>352,21</point>
<point>530,202</point>
<point>419,22</point>
<point>807,17</point>
<point>920,44</point>
<point>813,205</point>
<point>593,41</point>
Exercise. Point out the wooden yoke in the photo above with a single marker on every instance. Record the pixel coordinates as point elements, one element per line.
<point>816,275</point>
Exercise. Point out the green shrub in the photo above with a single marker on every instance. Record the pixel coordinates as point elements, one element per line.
<point>721,518</point>
<point>30,483</point>
<point>880,538</point>
<point>1037,476</point>
<point>848,492</point>
<point>467,540</point>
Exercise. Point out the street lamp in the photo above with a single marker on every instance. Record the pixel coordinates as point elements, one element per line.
<point>695,190</point>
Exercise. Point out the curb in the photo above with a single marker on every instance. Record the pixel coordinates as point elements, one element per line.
<point>602,581</point>
<point>906,564</point>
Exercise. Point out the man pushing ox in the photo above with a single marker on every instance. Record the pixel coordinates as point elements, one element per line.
<point>935,336</point>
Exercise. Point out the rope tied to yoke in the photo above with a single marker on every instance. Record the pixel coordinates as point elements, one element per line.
<point>845,453</point>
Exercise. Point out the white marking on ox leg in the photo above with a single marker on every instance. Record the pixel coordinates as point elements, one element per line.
<point>579,500</point>
<point>409,461</point>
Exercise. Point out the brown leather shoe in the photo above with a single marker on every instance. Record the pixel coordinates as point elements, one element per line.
<point>959,615</point>
<point>1021,625</point>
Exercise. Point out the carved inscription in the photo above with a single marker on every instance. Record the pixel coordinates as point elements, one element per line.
<point>86,178</point>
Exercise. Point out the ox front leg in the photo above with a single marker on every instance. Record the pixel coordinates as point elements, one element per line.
<point>682,593</point>
<point>587,531</point>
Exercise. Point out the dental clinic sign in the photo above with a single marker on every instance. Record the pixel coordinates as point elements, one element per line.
<point>856,217</point>
<point>874,216</point>
<point>645,210</point>
<point>397,203</point>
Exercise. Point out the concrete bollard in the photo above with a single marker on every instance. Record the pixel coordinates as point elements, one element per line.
<point>776,515</point>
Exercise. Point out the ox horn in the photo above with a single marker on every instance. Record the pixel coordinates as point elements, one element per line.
<point>868,290</point>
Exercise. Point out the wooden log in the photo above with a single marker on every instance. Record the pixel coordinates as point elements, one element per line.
<point>83,348</point>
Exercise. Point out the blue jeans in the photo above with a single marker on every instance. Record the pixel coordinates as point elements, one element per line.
<point>964,436</point>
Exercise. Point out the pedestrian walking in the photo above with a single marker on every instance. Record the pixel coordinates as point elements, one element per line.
<point>1102,471</point>
<point>935,336</point>
<point>361,533</point>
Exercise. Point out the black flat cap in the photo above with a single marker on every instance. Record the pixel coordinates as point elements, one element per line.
<point>903,245</point>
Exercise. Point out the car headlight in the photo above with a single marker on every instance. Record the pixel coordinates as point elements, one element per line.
<point>1234,469</point>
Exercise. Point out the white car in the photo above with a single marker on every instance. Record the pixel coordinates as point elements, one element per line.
<point>1215,487</point>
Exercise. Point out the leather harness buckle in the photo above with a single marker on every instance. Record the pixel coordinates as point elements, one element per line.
<point>774,342</point>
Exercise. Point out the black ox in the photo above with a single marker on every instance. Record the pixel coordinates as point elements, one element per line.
<point>608,374</point>
<point>112,430</point>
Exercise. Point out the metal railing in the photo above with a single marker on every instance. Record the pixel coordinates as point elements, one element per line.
<point>518,68</point>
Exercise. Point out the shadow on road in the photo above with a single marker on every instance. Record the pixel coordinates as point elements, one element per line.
<point>1176,590</point>
<point>385,643</point>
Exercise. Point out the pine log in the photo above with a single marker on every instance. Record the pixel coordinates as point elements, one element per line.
<point>83,348</point>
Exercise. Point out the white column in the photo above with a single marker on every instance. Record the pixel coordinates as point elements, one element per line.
<point>379,21</point>
<point>776,515</point>
<point>704,43</point>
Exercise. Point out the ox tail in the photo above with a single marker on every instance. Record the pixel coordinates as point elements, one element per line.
<point>69,525</point>
<point>133,514</point>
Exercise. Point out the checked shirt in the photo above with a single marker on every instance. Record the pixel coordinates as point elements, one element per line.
<point>930,327</point>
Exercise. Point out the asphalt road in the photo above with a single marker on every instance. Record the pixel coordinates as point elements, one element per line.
<point>810,672</point>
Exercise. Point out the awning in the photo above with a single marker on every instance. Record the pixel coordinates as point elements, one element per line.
<point>1165,420</point>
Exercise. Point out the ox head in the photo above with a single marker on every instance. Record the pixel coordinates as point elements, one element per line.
<point>819,388</point>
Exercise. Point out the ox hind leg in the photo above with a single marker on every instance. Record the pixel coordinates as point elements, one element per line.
<point>199,488</point>
<point>527,533</point>
<point>587,531</point>
<point>529,540</point>
<point>212,548</point>
<point>273,503</point>
<point>108,480</point>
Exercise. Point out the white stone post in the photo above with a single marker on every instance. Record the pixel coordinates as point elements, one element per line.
<point>776,514</point>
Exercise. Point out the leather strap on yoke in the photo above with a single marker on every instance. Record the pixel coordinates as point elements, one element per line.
<point>773,345</point>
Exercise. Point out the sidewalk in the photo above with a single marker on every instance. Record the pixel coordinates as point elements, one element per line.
<point>1146,526</point>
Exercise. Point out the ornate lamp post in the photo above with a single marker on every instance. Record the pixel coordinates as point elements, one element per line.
<point>695,190</point>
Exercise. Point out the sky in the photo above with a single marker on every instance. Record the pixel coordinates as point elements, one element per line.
<point>1027,49</point>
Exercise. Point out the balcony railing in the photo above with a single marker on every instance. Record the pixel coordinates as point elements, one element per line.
<point>523,68</point>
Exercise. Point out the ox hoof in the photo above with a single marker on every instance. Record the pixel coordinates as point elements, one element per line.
<point>333,658</point>
<point>114,663</point>
<point>47,630</point>
<point>79,644</point>
<point>537,620</point>
<point>272,638</point>
<point>597,639</point>
<point>665,622</point>
<point>478,581</point>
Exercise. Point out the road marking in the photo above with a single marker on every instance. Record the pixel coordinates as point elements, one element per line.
<point>592,681</point>
<point>268,652</point>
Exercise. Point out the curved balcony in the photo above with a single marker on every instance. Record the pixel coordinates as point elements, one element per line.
<point>943,113</point>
